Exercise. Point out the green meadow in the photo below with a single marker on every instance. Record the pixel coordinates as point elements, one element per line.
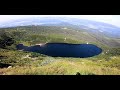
<point>31,63</point>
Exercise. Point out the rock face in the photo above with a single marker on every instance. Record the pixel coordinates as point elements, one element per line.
<point>9,66</point>
<point>41,44</point>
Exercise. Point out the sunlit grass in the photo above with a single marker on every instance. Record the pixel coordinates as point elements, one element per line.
<point>29,63</point>
<point>63,68</point>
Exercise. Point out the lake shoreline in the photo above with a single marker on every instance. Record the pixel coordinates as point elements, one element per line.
<point>63,49</point>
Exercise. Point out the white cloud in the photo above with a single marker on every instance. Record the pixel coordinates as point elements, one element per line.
<point>92,26</point>
<point>5,18</point>
<point>111,19</point>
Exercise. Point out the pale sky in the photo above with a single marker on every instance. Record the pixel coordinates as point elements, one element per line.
<point>110,19</point>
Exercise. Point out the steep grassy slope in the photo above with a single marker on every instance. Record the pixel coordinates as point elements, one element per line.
<point>36,34</point>
<point>26,63</point>
<point>107,63</point>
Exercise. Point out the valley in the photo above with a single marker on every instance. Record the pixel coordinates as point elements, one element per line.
<point>30,63</point>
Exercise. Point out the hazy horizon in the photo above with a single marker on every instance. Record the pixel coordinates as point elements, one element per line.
<point>110,19</point>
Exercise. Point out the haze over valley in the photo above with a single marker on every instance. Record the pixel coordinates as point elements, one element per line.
<point>39,42</point>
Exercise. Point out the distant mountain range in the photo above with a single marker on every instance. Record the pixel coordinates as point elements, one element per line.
<point>87,25</point>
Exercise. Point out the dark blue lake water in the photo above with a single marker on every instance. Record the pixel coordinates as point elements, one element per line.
<point>63,49</point>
